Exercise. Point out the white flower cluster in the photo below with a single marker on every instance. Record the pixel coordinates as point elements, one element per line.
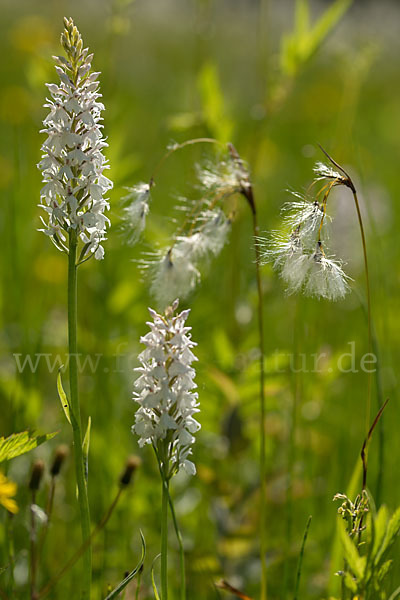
<point>164,390</point>
<point>73,161</point>
<point>299,255</point>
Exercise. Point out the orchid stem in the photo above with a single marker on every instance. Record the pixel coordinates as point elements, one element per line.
<point>76,416</point>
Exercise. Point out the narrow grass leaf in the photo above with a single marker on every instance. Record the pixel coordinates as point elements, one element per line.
<point>85,448</point>
<point>153,581</point>
<point>301,556</point>
<point>63,396</point>
<point>121,586</point>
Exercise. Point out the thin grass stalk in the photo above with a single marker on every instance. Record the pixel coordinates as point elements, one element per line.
<point>33,549</point>
<point>87,543</point>
<point>164,539</point>
<point>301,557</point>
<point>349,183</point>
<point>49,512</point>
<point>10,552</point>
<point>296,389</point>
<point>370,340</point>
<point>76,416</point>
<point>263,488</point>
<point>139,579</point>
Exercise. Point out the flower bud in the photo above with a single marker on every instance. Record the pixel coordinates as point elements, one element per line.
<point>36,475</point>
<point>60,455</point>
<point>132,464</point>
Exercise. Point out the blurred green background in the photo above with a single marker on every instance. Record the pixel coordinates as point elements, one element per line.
<point>249,72</point>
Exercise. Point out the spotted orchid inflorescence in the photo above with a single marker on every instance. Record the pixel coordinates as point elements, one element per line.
<point>165,392</point>
<point>73,162</point>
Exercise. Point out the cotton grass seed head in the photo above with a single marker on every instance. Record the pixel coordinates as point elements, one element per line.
<point>298,250</point>
<point>135,211</point>
<point>164,391</point>
<point>73,162</point>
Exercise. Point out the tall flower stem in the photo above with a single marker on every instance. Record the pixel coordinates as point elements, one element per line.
<point>76,414</point>
<point>370,341</point>
<point>347,181</point>
<point>246,189</point>
<point>181,548</point>
<point>164,539</point>
<point>248,193</point>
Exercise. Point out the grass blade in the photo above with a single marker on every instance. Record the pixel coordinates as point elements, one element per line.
<point>122,585</point>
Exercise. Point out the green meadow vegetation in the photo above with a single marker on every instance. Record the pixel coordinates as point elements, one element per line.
<point>252,148</point>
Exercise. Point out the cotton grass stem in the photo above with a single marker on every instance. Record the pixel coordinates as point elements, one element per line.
<point>347,181</point>
<point>76,416</point>
<point>263,489</point>
<point>369,317</point>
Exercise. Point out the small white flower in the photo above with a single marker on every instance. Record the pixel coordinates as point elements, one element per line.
<point>164,390</point>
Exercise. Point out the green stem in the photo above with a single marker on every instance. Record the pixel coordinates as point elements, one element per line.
<point>181,549</point>
<point>164,540</point>
<point>369,317</point>
<point>263,490</point>
<point>76,415</point>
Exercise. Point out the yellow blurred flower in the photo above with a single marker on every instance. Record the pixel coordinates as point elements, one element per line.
<point>7,490</point>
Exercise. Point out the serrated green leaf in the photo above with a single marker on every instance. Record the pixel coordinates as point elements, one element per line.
<point>63,396</point>
<point>122,585</point>
<point>355,561</point>
<point>85,448</point>
<point>20,443</point>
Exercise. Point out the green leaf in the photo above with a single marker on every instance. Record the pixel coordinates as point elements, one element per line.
<point>153,582</point>
<point>213,103</point>
<point>85,448</point>
<point>384,570</point>
<point>327,22</point>
<point>379,525</point>
<point>355,561</point>
<point>122,585</point>
<point>395,594</point>
<point>20,443</point>
<point>298,46</point>
<point>302,18</point>
<point>63,396</point>
<point>350,583</point>
<point>391,534</point>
